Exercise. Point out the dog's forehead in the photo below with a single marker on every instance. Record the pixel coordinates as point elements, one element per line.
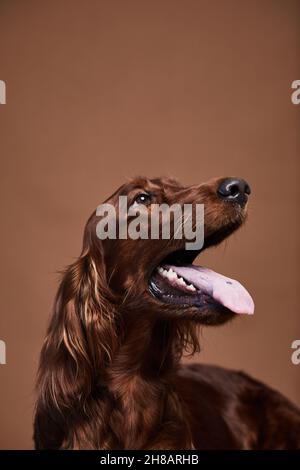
<point>152,184</point>
<point>162,184</point>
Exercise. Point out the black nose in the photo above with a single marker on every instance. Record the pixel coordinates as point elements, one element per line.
<point>234,190</point>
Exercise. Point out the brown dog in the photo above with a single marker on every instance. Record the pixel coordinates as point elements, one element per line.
<point>125,312</point>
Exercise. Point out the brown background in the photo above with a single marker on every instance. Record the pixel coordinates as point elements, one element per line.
<point>98,91</point>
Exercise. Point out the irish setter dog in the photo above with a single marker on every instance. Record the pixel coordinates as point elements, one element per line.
<point>126,310</point>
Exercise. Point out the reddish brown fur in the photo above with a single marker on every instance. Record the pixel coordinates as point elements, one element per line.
<point>110,376</point>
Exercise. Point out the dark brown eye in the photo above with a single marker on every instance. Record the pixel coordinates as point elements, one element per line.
<point>143,198</point>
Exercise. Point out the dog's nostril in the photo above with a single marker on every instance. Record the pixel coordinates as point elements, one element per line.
<point>247,188</point>
<point>235,190</point>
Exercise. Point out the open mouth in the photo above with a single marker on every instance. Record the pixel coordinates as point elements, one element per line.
<point>177,281</point>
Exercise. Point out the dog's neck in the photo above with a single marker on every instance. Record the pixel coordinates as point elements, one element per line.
<point>140,380</point>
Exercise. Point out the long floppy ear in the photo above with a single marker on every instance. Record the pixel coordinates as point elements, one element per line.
<point>80,341</point>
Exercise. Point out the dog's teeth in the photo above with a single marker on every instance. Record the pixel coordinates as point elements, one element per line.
<point>191,287</point>
<point>171,275</point>
<point>181,281</point>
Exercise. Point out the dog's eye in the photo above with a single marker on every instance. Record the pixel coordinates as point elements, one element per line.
<point>142,198</point>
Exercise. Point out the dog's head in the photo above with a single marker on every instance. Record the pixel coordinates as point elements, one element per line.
<point>156,275</point>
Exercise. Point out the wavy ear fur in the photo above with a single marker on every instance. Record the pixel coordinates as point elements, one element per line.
<point>80,341</point>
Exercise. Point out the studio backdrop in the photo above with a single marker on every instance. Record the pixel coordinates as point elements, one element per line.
<point>100,91</point>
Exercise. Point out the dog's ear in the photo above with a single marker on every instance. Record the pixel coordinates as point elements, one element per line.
<point>80,342</point>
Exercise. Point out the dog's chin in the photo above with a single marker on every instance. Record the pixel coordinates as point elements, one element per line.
<point>196,292</point>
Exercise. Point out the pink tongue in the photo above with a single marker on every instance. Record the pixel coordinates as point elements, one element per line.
<point>224,290</point>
